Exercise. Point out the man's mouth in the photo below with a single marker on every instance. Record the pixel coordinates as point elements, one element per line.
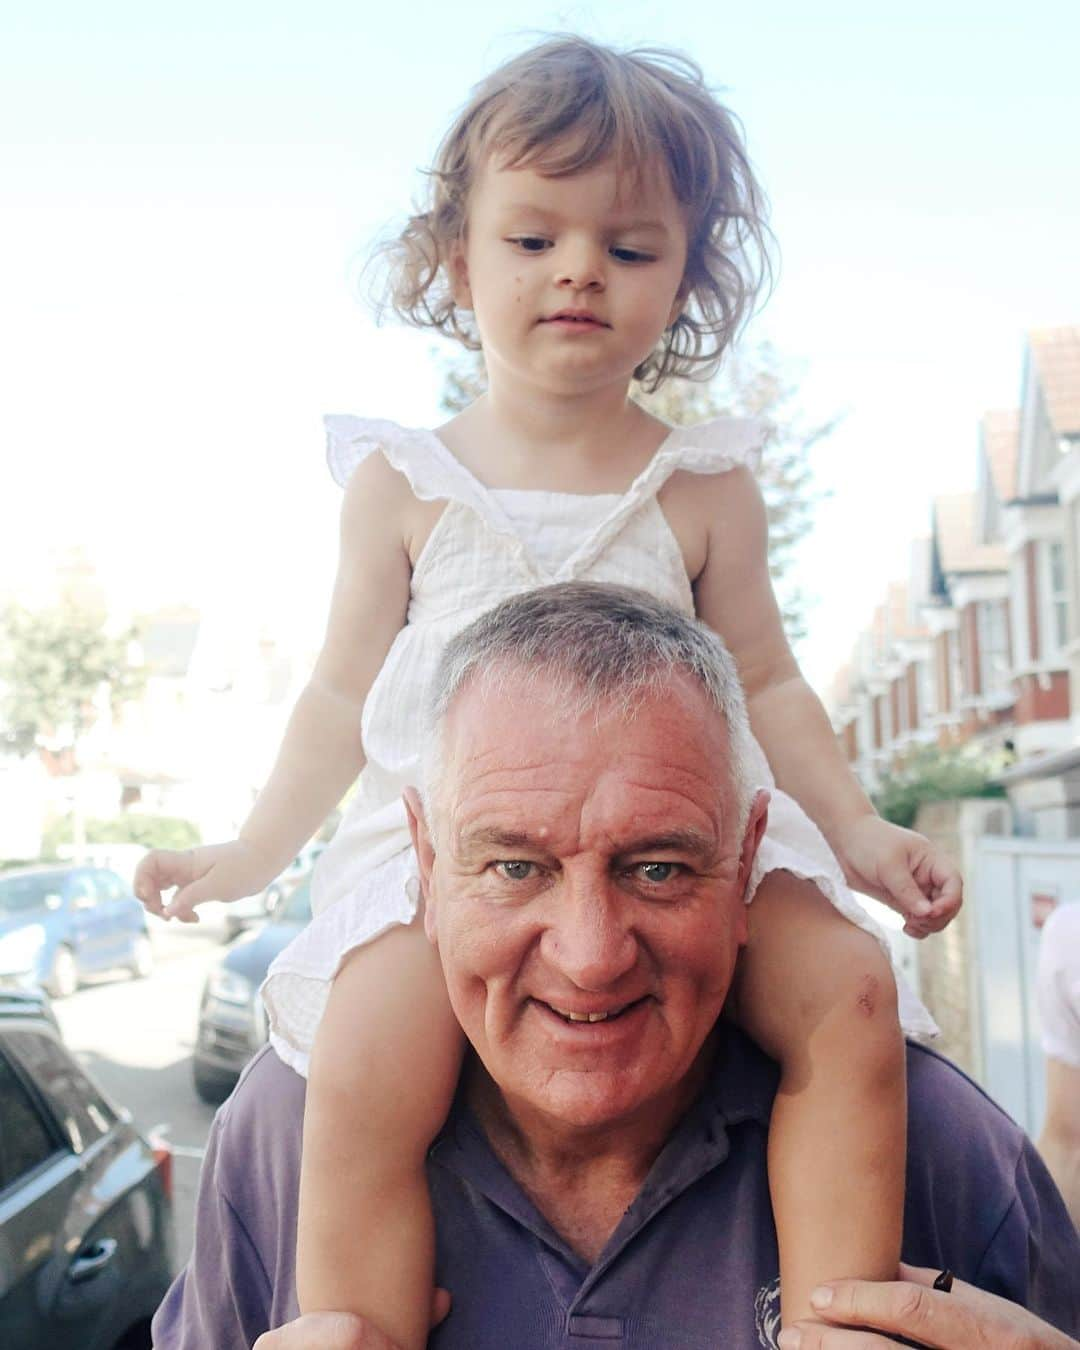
<point>607,1015</point>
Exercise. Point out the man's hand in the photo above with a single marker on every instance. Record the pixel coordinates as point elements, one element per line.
<point>966,1318</point>
<point>340,1331</point>
<point>903,869</point>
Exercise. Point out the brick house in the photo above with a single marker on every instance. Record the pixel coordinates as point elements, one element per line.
<point>989,646</point>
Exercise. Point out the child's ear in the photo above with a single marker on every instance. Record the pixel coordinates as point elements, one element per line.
<point>457,267</point>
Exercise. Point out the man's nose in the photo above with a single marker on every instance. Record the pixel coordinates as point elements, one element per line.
<point>589,939</point>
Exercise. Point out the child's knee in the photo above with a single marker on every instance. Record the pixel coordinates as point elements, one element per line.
<point>861,989</point>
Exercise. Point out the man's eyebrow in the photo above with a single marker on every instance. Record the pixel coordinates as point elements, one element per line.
<point>494,836</point>
<point>694,842</point>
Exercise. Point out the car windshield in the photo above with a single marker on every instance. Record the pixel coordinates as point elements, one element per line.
<point>20,895</point>
<point>297,909</point>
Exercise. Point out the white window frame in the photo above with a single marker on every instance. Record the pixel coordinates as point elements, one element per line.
<point>1053,598</point>
<point>992,632</point>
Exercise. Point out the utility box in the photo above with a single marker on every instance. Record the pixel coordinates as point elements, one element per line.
<point>1018,883</point>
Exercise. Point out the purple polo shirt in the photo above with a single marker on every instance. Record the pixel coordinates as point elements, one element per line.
<point>692,1264</point>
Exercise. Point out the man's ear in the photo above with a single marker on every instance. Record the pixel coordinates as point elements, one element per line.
<point>425,855</point>
<point>457,267</point>
<point>756,822</point>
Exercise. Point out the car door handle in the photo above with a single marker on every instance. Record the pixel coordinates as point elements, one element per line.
<point>92,1261</point>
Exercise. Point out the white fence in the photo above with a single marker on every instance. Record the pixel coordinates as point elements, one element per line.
<point>1017,883</point>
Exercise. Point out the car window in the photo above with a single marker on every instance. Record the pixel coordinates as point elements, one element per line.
<point>24,894</point>
<point>80,887</point>
<point>83,1113</point>
<point>109,885</point>
<point>25,1139</point>
<point>297,909</point>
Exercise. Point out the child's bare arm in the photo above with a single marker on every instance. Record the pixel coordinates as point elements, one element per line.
<point>734,596</point>
<point>321,752</point>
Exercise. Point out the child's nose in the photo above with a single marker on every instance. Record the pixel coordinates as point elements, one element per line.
<point>580,268</point>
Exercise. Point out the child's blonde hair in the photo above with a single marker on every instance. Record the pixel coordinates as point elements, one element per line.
<point>564,106</point>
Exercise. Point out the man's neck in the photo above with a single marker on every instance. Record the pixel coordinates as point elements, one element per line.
<point>582,1179</point>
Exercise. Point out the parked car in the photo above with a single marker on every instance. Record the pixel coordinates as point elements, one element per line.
<point>59,924</point>
<point>232,1022</point>
<point>240,915</point>
<point>86,1239</point>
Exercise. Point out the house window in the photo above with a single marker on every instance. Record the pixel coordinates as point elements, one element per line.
<point>1055,596</point>
<point>992,627</point>
<point>925,702</point>
<point>1018,584</point>
<point>955,666</point>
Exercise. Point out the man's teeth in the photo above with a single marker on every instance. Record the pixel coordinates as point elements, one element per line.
<point>590,1017</point>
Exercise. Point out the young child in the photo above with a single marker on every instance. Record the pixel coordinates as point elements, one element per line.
<point>593,220</point>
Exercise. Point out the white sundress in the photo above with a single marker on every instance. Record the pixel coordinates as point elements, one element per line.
<point>486,546</point>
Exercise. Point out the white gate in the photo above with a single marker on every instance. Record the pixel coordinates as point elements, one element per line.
<point>1017,883</point>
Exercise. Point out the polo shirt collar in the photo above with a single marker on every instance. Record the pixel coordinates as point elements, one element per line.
<point>740,1088</point>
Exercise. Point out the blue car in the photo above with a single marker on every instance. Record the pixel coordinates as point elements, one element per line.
<point>58,924</point>
<point>232,1023</point>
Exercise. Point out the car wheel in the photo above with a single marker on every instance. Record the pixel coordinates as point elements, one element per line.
<point>211,1087</point>
<point>63,977</point>
<point>142,957</point>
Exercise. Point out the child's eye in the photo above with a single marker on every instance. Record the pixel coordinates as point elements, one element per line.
<point>530,243</point>
<point>629,255</point>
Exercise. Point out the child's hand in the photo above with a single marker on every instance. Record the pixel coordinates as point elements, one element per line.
<point>903,869</point>
<point>213,872</point>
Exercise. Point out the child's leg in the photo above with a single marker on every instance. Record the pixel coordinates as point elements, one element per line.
<point>383,1072</point>
<point>818,995</point>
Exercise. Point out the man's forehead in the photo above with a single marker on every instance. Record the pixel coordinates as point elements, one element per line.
<point>515,754</point>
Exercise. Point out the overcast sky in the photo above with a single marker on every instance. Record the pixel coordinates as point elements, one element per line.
<point>188,192</point>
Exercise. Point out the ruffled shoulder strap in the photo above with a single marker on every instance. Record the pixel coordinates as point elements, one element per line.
<point>433,473</point>
<point>708,448</point>
<point>413,451</point>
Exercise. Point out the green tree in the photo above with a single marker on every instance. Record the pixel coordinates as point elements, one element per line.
<point>54,664</point>
<point>751,384</point>
<point>929,774</point>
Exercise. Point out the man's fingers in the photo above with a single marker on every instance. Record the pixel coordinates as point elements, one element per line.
<point>440,1306</point>
<point>936,1320</point>
<point>813,1336</point>
<point>325,1331</point>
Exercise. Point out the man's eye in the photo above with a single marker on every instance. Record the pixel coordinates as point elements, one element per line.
<point>629,255</point>
<point>515,870</point>
<point>657,872</point>
<point>530,243</point>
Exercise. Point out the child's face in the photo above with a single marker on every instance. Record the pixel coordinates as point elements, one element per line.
<point>540,250</point>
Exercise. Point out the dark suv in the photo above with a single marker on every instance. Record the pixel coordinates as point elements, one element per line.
<point>85,1200</point>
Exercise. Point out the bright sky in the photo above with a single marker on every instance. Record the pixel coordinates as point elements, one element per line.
<point>187,191</point>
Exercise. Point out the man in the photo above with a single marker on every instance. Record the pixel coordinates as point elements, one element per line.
<point>585,842</point>
<point>1057,990</point>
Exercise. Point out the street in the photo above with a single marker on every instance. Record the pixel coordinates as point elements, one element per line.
<point>135,1038</point>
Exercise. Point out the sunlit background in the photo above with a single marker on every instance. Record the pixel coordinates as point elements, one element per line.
<point>188,192</point>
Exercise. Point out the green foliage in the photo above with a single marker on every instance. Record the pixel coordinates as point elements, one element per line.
<point>53,663</point>
<point>929,774</point>
<point>132,828</point>
<point>751,384</point>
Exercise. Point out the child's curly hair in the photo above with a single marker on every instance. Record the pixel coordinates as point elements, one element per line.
<point>564,106</point>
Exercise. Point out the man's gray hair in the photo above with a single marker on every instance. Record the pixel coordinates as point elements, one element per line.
<point>590,645</point>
